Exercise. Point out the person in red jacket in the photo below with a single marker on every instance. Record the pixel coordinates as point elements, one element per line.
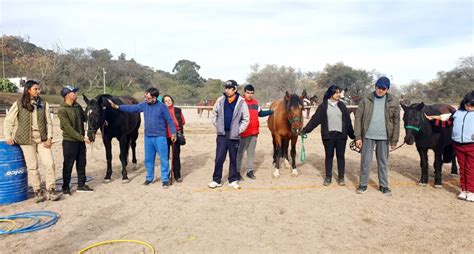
<point>178,120</point>
<point>248,138</point>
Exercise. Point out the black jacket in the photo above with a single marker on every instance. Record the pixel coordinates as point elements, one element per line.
<point>321,117</point>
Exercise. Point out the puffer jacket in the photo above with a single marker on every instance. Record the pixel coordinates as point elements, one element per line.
<point>392,117</point>
<point>240,118</point>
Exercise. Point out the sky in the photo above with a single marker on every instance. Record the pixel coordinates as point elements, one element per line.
<point>404,40</point>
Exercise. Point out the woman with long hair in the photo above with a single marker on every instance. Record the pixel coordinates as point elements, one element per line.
<point>34,133</point>
<point>336,125</point>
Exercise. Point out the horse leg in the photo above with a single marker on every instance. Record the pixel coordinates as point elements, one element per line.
<point>108,156</point>
<point>274,150</point>
<point>133,144</point>
<point>294,171</point>
<point>424,166</point>
<point>284,152</point>
<point>124,142</point>
<point>454,166</point>
<point>208,112</point>
<point>276,173</point>
<point>438,164</point>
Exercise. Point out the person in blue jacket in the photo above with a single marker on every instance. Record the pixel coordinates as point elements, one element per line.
<point>156,118</point>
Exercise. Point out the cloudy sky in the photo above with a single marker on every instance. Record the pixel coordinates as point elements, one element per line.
<point>407,40</point>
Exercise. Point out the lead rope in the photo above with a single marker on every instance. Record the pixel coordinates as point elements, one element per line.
<point>353,147</point>
<point>303,153</point>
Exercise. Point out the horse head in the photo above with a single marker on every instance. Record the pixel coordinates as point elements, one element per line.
<point>294,109</point>
<point>95,111</point>
<point>413,120</point>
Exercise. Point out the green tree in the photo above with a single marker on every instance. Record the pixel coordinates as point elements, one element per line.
<point>7,86</point>
<point>186,72</point>
<point>356,81</point>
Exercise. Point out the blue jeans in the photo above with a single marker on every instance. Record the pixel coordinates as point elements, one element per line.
<point>152,146</point>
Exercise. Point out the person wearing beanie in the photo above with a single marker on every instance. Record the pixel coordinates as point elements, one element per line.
<point>157,119</point>
<point>248,138</point>
<point>377,123</point>
<point>230,116</point>
<point>34,133</point>
<point>336,125</point>
<point>72,118</point>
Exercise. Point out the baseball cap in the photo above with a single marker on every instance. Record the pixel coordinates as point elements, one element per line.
<point>68,89</point>
<point>383,82</point>
<point>230,84</point>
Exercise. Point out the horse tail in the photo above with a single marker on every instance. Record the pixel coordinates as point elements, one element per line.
<point>448,154</point>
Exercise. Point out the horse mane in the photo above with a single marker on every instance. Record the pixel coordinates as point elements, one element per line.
<point>293,100</point>
<point>435,109</point>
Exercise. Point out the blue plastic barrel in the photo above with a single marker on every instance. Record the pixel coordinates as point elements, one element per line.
<point>13,174</point>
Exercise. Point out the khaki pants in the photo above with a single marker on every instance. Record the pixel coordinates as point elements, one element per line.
<point>31,153</point>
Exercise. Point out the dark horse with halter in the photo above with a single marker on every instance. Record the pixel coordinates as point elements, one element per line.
<point>285,125</point>
<point>427,136</point>
<point>113,124</point>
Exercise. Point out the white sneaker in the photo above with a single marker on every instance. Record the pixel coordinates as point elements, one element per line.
<point>214,185</point>
<point>462,195</point>
<point>470,196</point>
<point>234,184</point>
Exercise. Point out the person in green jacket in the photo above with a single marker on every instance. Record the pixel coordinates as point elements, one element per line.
<point>72,118</point>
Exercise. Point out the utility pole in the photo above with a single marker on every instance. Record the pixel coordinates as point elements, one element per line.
<point>103,72</point>
<point>3,58</point>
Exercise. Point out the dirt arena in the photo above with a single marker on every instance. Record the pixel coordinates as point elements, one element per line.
<point>285,215</point>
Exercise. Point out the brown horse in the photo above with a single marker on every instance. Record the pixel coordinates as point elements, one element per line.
<point>285,125</point>
<point>308,101</point>
<point>205,105</point>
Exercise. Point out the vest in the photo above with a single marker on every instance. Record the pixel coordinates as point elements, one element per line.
<point>254,125</point>
<point>23,134</point>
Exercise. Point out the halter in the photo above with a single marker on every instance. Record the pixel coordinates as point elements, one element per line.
<point>294,119</point>
<point>417,129</point>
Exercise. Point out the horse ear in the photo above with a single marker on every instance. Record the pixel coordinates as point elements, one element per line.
<point>86,99</point>
<point>420,106</point>
<point>404,106</point>
<point>287,95</point>
<point>304,94</point>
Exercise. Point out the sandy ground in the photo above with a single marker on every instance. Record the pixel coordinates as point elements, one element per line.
<point>285,215</point>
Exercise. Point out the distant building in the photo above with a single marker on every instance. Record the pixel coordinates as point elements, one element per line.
<point>19,83</point>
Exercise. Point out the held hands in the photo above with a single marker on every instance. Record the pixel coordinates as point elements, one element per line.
<point>358,143</point>
<point>113,105</point>
<point>392,147</point>
<point>10,141</point>
<point>173,138</point>
<point>432,117</point>
<point>86,140</point>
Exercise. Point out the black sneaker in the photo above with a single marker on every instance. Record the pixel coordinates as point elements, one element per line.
<point>67,192</point>
<point>146,182</point>
<point>327,181</point>
<point>84,188</point>
<point>166,185</point>
<point>385,190</point>
<point>341,182</point>
<point>251,175</point>
<point>361,189</point>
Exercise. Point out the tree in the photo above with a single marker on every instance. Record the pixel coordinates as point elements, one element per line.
<point>7,86</point>
<point>101,55</point>
<point>356,81</point>
<point>186,72</point>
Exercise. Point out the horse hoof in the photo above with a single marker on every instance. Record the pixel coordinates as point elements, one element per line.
<point>294,172</point>
<point>125,181</point>
<point>107,180</point>
<point>134,166</point>
<point>454,175</point>
<point>438,186</point>
<point>276,173</point>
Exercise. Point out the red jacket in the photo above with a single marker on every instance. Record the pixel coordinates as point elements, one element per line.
<point>173,116</point>
<point>253,126</point>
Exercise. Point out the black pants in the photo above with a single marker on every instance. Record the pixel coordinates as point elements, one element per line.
<point>337,141</point>
<point>224,144</point>
<point>74,151</point>
<point>176,163</point>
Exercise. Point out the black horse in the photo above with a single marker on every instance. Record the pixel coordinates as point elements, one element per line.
<point>427,136</point>
<point>113,124</point>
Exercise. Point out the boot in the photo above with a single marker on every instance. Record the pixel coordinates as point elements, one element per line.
<point>52,195</point>
<point>39,196</point>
